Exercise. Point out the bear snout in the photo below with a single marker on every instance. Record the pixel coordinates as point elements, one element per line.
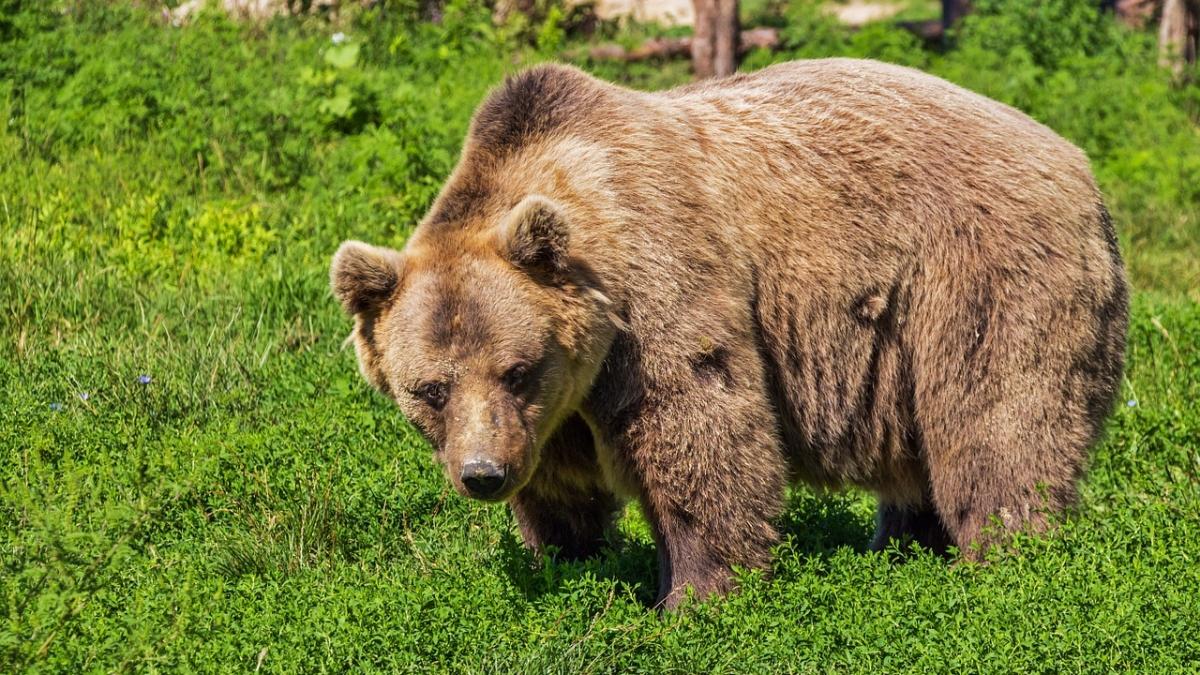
<point>484,479</point>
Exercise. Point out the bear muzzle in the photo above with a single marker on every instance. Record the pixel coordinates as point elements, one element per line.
<point>484,479</point>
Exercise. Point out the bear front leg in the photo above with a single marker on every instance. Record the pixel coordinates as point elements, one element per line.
<point>566,505</point>
<point>577,525</point>
<point>710,471</point>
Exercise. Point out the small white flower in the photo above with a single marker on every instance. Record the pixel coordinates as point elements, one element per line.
<point>338,38</point>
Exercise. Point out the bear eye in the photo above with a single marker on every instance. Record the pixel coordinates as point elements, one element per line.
<point>433,394</point>
<point>516,377</point>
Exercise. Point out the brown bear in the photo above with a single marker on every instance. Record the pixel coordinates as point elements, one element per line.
<point>835,271</point>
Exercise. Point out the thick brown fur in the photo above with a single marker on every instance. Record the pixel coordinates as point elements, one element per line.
<point>839,272</point>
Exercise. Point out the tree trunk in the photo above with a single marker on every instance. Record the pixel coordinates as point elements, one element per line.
<point>669,48</point>
<point>715,38</point>
<point>1179,33</point>
<point>953,10</point>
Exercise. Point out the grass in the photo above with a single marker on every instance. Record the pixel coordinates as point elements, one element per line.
<point>255,507</point>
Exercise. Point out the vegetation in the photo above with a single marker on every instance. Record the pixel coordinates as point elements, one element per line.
<point>193,475</point>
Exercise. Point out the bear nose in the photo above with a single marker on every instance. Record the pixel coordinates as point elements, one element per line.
<point>483,479</point>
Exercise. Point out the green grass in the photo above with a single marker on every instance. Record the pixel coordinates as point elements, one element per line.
<point>169,200</point>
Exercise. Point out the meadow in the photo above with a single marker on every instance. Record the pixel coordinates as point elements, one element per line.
<point>193,476</point>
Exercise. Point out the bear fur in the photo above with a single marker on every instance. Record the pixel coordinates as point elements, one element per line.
<point>837,272</point>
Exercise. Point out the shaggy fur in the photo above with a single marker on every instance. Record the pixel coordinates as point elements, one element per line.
<point>839,272</point>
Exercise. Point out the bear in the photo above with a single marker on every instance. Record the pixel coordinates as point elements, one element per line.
<point>831,272</point>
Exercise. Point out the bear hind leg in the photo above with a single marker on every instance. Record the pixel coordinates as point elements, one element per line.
<point>1005,477</point>
<point>902,523</point>
<point>1011,389</point>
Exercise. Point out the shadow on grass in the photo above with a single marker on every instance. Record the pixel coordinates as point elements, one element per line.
<point>632,563</point>
<point>814,526</point>
<point>821,524</point>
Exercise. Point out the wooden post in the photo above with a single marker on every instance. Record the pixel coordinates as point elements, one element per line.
<point>1179,34</point>
<point>715,38</point>
<point>953,10</point>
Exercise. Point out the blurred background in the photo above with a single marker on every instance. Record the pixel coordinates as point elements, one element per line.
<point>219,121</point>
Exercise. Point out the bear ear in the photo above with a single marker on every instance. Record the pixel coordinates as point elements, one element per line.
<point>535,235</point>
<point>363,276</point>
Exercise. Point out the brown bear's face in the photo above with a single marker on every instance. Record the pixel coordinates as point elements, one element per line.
<point>485,342</point>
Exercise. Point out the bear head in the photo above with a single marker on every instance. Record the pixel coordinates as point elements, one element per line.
<point>487,337</point>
